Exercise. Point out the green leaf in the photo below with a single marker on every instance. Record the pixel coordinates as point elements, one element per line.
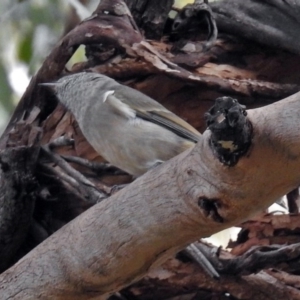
<point>25,49</point>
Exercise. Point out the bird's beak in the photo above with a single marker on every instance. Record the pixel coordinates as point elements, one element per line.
<point>51,85</point>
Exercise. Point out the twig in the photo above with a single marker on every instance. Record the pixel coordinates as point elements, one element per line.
<point>72,183</point>
<point>254,260</point>
<point>201,259</point>
<point>61,142</point>
<point>75,177</point>
<point>94,166</point>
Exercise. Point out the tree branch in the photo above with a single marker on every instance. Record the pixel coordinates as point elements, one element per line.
<point>138,228</point>
<point>248,19</point>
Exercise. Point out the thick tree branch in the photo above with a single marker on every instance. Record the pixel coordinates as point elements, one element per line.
<point>259,21</point>
<point>141,226</point>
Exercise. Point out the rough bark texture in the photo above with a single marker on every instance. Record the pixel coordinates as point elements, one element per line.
<point>151,16</point>
<point>272,23</point>
<point>168,220</point>
<point>17,200</point>
<point>117,241</point>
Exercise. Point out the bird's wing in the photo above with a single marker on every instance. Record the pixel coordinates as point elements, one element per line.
<point>150,110</point>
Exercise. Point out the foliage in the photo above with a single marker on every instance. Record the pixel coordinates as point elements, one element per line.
<point>30,28</point>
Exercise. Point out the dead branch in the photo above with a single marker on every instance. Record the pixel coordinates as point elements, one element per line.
<point>243,19</point>
<point>157,222</point>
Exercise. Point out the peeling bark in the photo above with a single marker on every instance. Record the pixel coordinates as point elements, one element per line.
<point>17,200</point>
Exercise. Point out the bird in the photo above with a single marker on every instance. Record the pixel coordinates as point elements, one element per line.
<point>127,128</point>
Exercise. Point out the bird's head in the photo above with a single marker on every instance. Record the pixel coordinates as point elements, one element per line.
<point>74,86</point>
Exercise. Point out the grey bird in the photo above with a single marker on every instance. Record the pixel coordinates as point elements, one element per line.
<point>129,129</point>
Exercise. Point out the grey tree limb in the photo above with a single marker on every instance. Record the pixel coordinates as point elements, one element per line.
<point>144,224</point>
